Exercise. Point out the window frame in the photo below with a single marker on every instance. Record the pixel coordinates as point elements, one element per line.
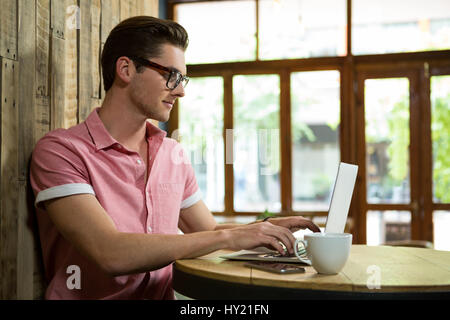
<point>425,64</point>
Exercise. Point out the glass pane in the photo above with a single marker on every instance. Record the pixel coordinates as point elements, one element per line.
<point>386,26</point>
<point>387,140</point>
<point>256,143</point>
<point>315,99</point>
<point>440,137</point>
<point>201,134</point>
<point>302,29</point>
<point>385,226</point>
<point>441,222</point>
<point>221,31</point>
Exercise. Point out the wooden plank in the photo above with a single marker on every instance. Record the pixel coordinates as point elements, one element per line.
<point>286,142</point>
<point>71,66</point>
<point>110,17</point>
<point>27,62</point>
<point>147,7</point>
<point>9,177</point>
<point>57,77</point>
<point>348,140</point>
<point>133,8</point>
<point>107,23</point>
<point>115,8</point>
<point>95,48</point>
<point>57,18</point>
<point>426,171</point>
<point>125,9</point>
<point>57,63</point>
<point>25,243</point>
<point>42,46</point>
<point>102,83</point>
<point>42,116</point>
<point>262,67</point>
<point>84,62</point>
<point>361,191</point>
<point>8,29</point>
<point>415,156</point>
<point>228,138</point>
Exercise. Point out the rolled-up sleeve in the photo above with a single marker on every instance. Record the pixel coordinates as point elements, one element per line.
<point>57,170</point>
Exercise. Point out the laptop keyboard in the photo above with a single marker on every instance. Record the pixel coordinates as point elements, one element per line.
<point>301,253</point>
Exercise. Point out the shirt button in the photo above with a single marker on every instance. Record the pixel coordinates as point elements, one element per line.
<point>149,229</point>
<point>139,161</point>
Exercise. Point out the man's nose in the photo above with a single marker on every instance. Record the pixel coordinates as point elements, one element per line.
<point>178,91</point>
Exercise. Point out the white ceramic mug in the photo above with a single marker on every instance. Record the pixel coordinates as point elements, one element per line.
<point>328,252</point>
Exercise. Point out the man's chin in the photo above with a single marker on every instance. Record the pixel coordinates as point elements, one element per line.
<point>161,117</point>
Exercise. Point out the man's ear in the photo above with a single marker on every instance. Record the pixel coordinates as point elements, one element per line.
<point>125,69</point>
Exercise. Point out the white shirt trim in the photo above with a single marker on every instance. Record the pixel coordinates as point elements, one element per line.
<point>63,191</point>
<point>189,201</point>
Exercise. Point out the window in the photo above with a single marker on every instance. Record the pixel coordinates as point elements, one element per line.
<point>295,86</point>
<point>385,26</point>
<point>302,29</point>
<point>213,37</point>
<point>315,118</point>
<point>387,140</point>
<point>256,143</point>
<point>440,137</point>
<point>200,132</point>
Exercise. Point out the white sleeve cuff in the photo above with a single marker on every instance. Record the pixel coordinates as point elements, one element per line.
<point>63,191</point>
<point>186,203</point>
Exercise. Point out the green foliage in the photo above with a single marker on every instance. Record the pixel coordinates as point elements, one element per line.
<point>299,128</point>
<point>266,214</point>
<point>398,124</point>
<point>441,147</point>
<point>398,150</point>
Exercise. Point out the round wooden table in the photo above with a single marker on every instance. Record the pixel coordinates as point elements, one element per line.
<point>371,272</point>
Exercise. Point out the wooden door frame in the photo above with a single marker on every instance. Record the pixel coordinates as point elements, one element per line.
<point>430,69</point>
<point>415,157</point>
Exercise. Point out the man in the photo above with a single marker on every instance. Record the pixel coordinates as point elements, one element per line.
<point>111,192</point>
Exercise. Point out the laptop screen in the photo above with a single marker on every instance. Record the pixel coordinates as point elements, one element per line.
<point>341,198</point>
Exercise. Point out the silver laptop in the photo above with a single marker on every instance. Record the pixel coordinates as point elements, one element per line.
<point>336,219</point>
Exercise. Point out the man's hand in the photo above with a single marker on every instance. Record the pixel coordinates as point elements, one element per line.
<point>265,234</point>
<point>295,223</point>
<point>273,233</point>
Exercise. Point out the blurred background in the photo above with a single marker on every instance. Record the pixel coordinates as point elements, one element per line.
<point>300,85</point>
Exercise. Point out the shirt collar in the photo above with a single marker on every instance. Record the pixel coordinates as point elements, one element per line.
<point>103,139</point>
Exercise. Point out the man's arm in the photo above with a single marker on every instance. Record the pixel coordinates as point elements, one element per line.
<point>199,218</point>
<point>84,223</point>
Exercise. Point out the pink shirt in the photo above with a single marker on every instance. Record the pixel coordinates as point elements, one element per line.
<point>86,159</point>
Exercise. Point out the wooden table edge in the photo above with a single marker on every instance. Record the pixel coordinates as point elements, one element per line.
<point>345,290</point>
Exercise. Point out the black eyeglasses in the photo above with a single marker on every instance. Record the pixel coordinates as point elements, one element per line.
<point>175,77</point>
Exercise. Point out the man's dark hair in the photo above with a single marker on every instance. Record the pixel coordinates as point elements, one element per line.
<point>140,36</point>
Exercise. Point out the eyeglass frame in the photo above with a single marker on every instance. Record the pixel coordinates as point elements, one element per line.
<point>151,64</point>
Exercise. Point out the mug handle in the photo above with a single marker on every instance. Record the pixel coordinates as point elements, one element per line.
<point>297,241</point>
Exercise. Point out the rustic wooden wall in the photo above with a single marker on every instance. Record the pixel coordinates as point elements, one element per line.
<point>49,78</point>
